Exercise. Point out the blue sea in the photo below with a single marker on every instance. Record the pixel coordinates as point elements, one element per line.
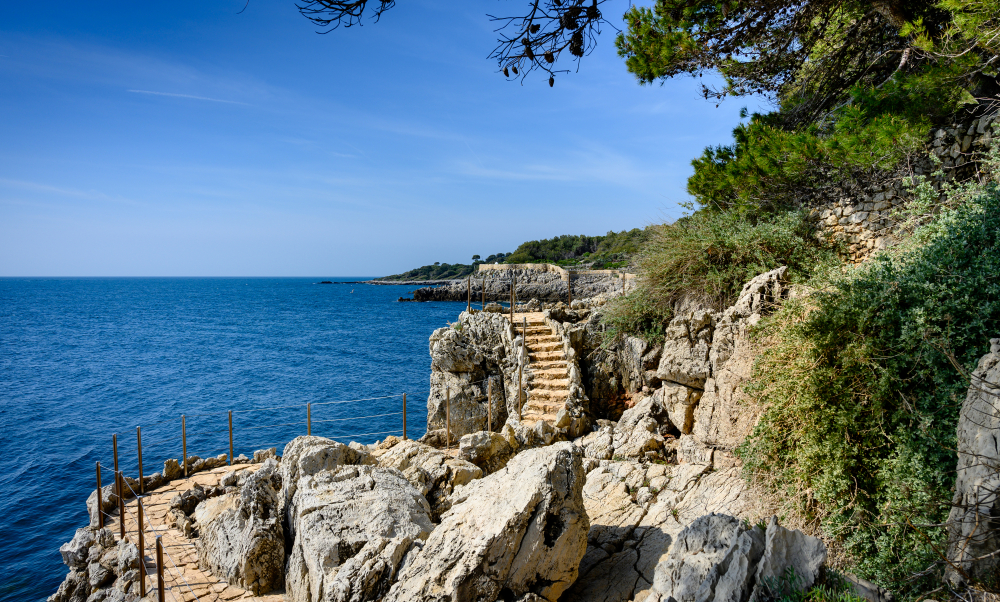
<point>82,359</point>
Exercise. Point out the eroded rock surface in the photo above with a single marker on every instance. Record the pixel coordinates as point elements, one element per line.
<point>488,451</point>
<point>241,539</point>
<point>974,521</point>
<point>434,473</point>
<point>516,532</point>
<point>351,527</point>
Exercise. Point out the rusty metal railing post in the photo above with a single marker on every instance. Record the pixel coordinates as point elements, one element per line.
<point>483,282</point>
<point>468,306</point>
<point>142,551</point>
<point>184,445</point>
<point>309,419</point>
<point>230,437</point>
<point>114,444</point>
<point>119,481</point>
<point>489,405</point>
<point>100,504</point>
<point>159,569</point>
<point>404,416</point>
<point>138,447</point>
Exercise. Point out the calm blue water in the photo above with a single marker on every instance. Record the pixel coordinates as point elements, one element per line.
<point>81,359</point>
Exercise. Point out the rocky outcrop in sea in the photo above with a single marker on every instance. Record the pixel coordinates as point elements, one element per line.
<point>545,286</point>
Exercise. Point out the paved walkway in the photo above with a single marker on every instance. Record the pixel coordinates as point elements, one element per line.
<point>183,580</point>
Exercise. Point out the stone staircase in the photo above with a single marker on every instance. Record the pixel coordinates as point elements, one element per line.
<point>547,372</point>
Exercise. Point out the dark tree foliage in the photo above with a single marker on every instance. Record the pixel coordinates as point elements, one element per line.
<point>805,55</point>
<point>331,14</point>
<point>534,41</point>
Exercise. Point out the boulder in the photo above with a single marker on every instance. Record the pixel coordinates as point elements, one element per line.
<point>76,551</point>
<point>128,557</point>
<point>713,559</point>
<point>172,470</point>
<point>598,444</point>
<point>786,549</point>
<point>241,538</point>
<point>639,430</point>
<point>74,588</point>
<point>307,455</point>
<point>489,451</point>
<point>684,358</point>
<point>719,558</point>
<point>263,455</point>
<point>109,504</point>
<point>351,526</point>
<point>434,473</point>
<point>519,531</point>
<point>679,402</point>
<point>974,520</point>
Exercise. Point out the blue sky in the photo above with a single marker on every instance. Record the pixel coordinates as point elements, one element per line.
<point>184,139</point>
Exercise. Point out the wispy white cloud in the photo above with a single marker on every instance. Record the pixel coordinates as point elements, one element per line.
<point>191,96</point>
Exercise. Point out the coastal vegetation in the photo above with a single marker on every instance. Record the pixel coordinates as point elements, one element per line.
<point>860,378</point>
<point>612,250</point>
<point>609,251</point>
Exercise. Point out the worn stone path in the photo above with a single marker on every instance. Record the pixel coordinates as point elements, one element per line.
<point>184,582</point>
<point>547,373</point>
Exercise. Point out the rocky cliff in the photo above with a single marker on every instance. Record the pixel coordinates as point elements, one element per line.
<point>646,505</point>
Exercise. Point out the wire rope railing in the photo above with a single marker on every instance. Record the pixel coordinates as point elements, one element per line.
<point>126,488</point>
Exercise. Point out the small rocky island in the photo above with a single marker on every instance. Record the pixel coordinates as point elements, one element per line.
<point>569,470</point>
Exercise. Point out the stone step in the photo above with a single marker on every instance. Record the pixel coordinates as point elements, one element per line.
<point>534,347</point>
<point>535,331</point>
<point>545,395</point>
<point>544,338</point>
<point>550,383</point>
<point>545,356</point>
<point>548,367</point>
<point>544,407</point>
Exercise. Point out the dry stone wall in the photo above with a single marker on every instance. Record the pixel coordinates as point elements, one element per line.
<point>862,215</point>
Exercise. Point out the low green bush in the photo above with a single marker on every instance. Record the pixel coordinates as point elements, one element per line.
<point>711,255</point>
<point>861,386</point>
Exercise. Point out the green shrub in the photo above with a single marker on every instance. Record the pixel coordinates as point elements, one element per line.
<point>711,255</point>
<point>861,387</point>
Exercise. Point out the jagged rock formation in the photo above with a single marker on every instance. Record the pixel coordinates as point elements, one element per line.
<point>100,568</point>
<point>483,350</point>
<point>477,355</point>
<point>718,558</point>
<point>240,533</point>
<point>519,531</point>
<point>974,521</point>
<point>433,473</point>
<point>351,526</point>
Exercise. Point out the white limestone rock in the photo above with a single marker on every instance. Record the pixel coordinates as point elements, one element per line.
<point>434,473</point>
<point>686,346</point>
<point>351,527</point>
<point>974,526</point>
<point>488,451</point>
<point>241,539</point>
<point>518,531</point>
